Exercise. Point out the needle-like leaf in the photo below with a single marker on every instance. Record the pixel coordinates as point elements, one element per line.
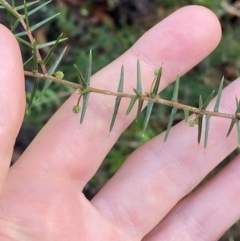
<point>14,26</point>
<point>176,89</point>
<point>131,104</point>
<point>174,110</point>
<point>208,100</point>
<point>35,87</point>
<point>120,86</point>
<point>231,127</point>
<point>80,76</point>
<point>9,9</point>
<point>28,5</point>
<point>87,81</point>
<point>203,106</point>
<point>56,63</point>
<point>38,8</point>
<point>13,3</point>
<point>157,83</point>
<point>139,78</point>
<point>116,107</point>
<point>24,42</point>
<point>138,91</point>
<point>199,128</point>
<point>89,68</point>
<point>84,106</point>
<point>35,59</point>
<point>36,81</point>
<point>200,120</point>
<point>28,61</point>
<point>140,102</point>
<point>140,105</point>
<point>40,46</point>
<point>118,99</point>
<point>206,130</point>
<point>216,107</point>
<point>34,27</point>
<point>139,88</point>
<point>238,132</point>
<point>51,71</point>
<point>26,15</point>
<point>200,102</point>
<point>234,120</point>
<point>46,59</point>
<point>238,105</point>
<point>170,122</point>
<point>147,116</point>
<point>10,19</point>
<point>186,114</point>
<point>237,121</point>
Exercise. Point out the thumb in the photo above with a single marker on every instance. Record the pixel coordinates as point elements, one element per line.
<point>12,98</point>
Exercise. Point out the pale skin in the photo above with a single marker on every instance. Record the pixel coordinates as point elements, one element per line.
<point>41,195</point>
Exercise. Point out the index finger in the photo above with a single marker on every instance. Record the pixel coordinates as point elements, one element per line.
<point>12,98</point>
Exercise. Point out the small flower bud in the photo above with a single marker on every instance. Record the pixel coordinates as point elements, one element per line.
<point>59,74</point>
<point>76,109</point>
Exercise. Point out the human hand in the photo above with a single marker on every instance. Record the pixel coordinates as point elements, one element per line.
<point>42,195</point>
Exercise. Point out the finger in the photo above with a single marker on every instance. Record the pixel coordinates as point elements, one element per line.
<point>12,98</point>
<point>207,213</point>
<point>156,176</point>
<point>68,147</point>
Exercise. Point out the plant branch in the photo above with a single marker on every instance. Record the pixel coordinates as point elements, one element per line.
<point>159,100</point>
<point>84,87</point>
<point>28,33</point>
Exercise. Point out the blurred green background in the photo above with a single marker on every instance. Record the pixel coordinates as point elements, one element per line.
<point>109,28</point>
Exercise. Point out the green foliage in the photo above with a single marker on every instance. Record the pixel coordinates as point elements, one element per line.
<point>51,72</point>
<point>118,99</point>
<point>108,43</point>
<point>148,114</point>
<point>85,88</point>
<point>174,110</point>
<point>87,82</point>
<point>216,107</point>
<point>138,92</point>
